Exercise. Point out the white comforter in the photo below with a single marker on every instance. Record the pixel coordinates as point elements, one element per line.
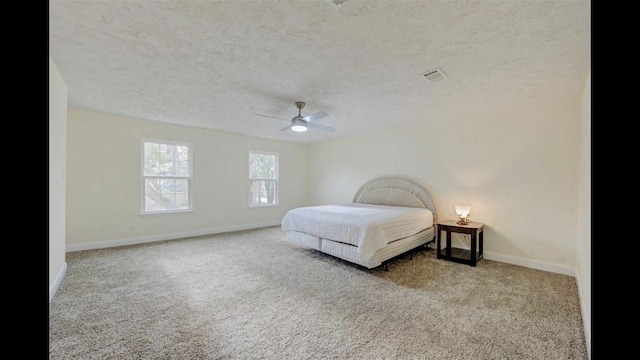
<point>369,227</point>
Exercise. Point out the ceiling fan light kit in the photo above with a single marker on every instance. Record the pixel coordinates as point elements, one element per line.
<point>301,123</point>
<point>299,128</point>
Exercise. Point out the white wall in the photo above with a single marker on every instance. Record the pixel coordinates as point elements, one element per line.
<point>517,166</point>
<point>103,193</point>
<point>583,250</point>
<point>57,167</point>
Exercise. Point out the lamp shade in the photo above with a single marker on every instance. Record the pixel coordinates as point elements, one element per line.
<point>463,210</point>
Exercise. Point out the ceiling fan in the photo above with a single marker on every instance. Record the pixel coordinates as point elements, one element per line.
<point>301,123</point>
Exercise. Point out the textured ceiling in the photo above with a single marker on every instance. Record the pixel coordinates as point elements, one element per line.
<point>215,64</point>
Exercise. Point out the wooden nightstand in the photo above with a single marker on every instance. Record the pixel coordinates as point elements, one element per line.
<point>469,257</point>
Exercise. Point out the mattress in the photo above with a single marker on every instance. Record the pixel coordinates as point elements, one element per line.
<point>367,227</point>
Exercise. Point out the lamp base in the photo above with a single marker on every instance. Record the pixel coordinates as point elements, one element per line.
<point>462,222</point>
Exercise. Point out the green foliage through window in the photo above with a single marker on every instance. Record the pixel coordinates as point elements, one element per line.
<point>167,176</point>
<point>263,179</point>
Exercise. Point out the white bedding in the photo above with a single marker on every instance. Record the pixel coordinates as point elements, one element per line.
<point>369,227</point>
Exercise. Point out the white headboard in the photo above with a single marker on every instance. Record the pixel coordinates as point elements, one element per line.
<point>395,191</point>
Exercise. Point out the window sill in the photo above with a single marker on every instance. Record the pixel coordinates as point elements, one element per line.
<point>165,212</point>
<point>253,206</point>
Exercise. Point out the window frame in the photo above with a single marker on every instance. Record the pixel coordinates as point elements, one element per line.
<point>143,177</point>
<point>277,178</point>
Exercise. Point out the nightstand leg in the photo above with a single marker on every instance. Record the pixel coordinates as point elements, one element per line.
<point>438,256</point>
<point>448,248</point>
<point>481,256</point>
<point>473,249</point>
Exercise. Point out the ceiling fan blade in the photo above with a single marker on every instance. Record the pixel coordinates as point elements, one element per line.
<point>273,117</point>
<point>320,127</point>
<point>315,116</point>
<point>285,128</point>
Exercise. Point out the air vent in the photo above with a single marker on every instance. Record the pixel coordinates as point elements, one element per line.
<point>435,75</point>
<point>336,3</point>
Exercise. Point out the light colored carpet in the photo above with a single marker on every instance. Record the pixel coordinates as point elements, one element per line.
<point>255,295</point>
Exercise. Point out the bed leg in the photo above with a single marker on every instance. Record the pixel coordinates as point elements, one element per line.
<point>386,266</point>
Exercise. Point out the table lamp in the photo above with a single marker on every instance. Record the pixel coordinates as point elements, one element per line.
<point>463,210</point>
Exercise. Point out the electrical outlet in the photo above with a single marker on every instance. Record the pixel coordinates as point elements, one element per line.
<point>467,241</point>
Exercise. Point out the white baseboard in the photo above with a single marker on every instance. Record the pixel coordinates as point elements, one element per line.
<point>533,264</point>
<point>586,318</point>
<point>57,281</point>
<point>152,238</point>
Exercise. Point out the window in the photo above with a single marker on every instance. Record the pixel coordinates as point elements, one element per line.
<point>263,179</point>
<point>166,176</point>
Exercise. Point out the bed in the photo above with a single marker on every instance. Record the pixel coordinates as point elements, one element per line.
<point>388,217</point>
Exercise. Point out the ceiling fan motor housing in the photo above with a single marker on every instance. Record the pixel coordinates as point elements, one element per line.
<point>298,124</point>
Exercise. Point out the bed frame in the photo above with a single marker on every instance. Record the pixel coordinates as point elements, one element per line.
<point>393,191</point>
